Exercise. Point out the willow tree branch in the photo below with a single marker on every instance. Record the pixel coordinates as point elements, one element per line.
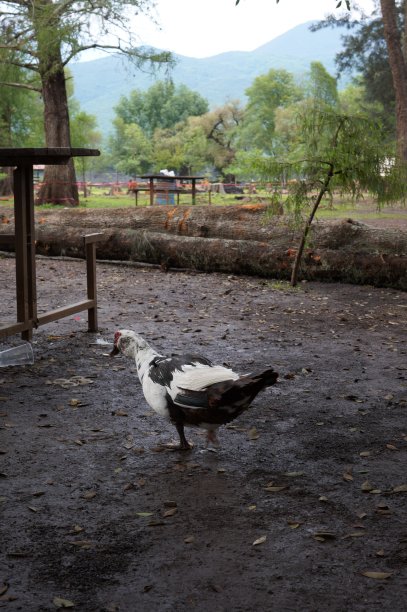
<point>22,86</point>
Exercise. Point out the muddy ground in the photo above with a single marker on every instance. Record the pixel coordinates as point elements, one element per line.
<point>302,509</point>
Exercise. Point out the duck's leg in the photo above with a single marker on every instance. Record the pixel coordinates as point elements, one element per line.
<point>183,441</point>
<point>211,438</point>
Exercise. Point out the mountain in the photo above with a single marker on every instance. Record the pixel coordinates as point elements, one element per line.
<point>98,84</point>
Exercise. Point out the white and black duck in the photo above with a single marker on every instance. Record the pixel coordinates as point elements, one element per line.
<point>190,389</point>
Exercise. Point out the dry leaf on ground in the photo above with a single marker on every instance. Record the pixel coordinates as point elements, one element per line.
<point>377,575</point>
<point>189,539</point>
<point>89,495</point>
<point>59,602</point>
<point>260,540</point>
<point>170,512</point>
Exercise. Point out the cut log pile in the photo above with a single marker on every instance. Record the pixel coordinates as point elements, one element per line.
<point>241,239</point>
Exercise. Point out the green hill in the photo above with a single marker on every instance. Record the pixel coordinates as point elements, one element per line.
<point>98,84</point>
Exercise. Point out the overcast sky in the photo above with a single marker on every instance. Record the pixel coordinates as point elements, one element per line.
<point>201,28</point>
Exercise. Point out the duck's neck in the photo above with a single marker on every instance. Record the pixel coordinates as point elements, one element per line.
<point>143,358</point>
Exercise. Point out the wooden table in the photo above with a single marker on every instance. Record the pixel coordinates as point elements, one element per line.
<point>164,177</point>
<point>23,160</point>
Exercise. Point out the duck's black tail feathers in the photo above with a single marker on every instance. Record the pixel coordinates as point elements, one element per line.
<point>237,394</point>
<point>243,390</point>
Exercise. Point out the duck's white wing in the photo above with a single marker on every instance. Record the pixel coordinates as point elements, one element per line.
<point>187,372</point>
<point>199,376</point>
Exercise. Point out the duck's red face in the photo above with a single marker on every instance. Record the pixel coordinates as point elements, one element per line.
<point>116,350</point>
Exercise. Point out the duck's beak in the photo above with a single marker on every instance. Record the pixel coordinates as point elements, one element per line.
<point>115,351</point>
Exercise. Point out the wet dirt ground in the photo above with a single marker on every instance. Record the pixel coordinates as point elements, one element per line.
<point>303,508</point>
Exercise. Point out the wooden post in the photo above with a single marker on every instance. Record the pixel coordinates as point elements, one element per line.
<point>193,191</point>
<point>25,249</point>
<point>151,191</point>
<point>90,250</point>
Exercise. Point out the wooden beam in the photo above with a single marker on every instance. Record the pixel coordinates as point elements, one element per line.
<point>90,238</point>
<point>8,329</point>
<point>65,311</point>
<point>8,239</point>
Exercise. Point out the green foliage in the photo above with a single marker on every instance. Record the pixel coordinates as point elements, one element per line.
<point>83,134</point>
<point>365,52</point>
<point>181,134</point>
<point>83,126</point>
<point>273,128</point>
<point>20,108</point>
<point>151,129</point>
<point>349,147</point>
<point>161,106</point>
<point>101,82</point>
<point>40,37</point>
<point>268,92</point>
<point>182,148</point>
<point>322,86</point>
<point>221,128</point>
<point>336,153</point>
<point>129,148</point>
<point>49,34</point>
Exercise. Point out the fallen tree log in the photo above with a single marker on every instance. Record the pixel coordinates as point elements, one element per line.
<point>234,239</point>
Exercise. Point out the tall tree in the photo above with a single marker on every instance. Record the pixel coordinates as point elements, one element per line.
<point>220,127</point>
<point>322,85</point>
<point>364,51</point>
<point>46,35</point>
<point>336,153</point>
<point>20,115</point>
<point>161,106</point>
<point>83,134</point>
<point>396,43</point>
<point>129,148</point>
<point>379,41</point>
<point>396,48</point>
<point>183,148</point>
<point>268,92</point>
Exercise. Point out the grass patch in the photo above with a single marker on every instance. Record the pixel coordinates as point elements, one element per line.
<point>337,209</point>
<point>282,285</point>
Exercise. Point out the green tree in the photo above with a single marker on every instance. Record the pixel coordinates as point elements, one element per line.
<point>364,52</point>
<point>268,92</point>
<point>84,133</point>
<point>168,149</point>
<point>129,148</point>
<point>396,48</point>
<point>161,106</point>
<point>183,148</point>
<point>278,134</point>
<point>337,152</point>
<point>46,35</point>
<point>379,51</point>
<point>396,45</point>
<point>220,128</point>
<point>322,85</point>
<point>353,100</point>
<point>20,115</point>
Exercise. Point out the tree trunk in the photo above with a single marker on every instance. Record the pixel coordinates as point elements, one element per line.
<point>230,239</point>
<point>398,69</point>
<point>59,186</point>
<point>307,226</point>
<point>6,184</point>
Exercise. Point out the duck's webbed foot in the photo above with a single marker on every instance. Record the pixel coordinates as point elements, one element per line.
<point>184,444</point>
